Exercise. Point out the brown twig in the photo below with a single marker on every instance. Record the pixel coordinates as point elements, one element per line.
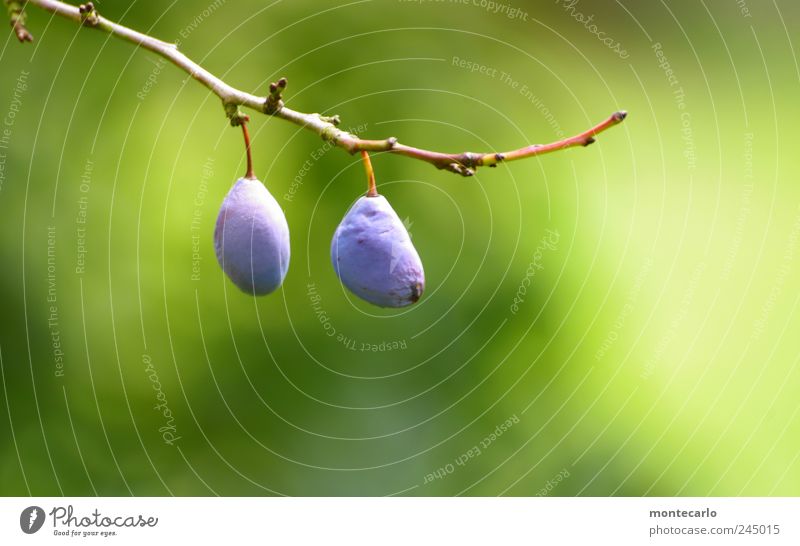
<point>464,164</point>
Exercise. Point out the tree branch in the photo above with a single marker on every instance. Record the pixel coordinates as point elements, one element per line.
<point>464,164</point>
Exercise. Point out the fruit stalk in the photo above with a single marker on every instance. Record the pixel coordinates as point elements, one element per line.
<point>464,163</point>
<point>372,190</point>
<point>246,134</point>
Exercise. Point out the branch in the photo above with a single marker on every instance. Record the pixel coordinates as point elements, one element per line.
<point>464,164</point>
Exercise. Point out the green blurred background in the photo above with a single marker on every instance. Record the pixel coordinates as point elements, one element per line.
<point>652,348</point>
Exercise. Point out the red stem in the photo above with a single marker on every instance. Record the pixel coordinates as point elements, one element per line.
<point>246,133</point>
<point>582,139</point>
<point>466,163</point>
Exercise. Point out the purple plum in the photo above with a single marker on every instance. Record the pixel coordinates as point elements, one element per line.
<point>373,255</point>
<point>251,238</point>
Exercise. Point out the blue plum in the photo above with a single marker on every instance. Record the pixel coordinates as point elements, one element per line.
<point>373,255</point>
<point>251,238</point>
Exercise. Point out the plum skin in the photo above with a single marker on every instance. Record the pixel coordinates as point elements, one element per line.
<point>374,257</point>
<point>251,238</point>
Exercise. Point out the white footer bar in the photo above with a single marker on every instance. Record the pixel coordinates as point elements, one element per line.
<point>390,521</point>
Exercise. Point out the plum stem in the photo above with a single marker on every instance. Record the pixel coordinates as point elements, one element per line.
<point>246,134</point>
<point>273,105</point>
<point>372,190</point>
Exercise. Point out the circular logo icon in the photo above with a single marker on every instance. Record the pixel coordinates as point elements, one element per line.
<point>31,519</point>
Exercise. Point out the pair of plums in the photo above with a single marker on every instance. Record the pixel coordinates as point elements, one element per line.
<point>371,250</point>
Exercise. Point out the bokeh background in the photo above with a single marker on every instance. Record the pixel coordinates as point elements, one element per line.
<point>647,347</point>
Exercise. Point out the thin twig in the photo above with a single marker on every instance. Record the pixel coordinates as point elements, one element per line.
<point>325,126</point>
